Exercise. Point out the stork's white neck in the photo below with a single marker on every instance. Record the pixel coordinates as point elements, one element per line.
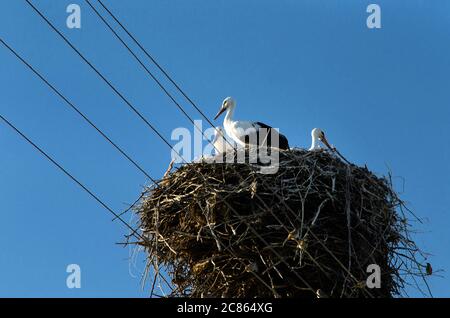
<point>228,115</point>
<point>230,128</point>
<point>314,143</point>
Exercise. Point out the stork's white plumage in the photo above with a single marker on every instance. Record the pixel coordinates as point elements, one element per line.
<point>318,135</point>
<point>248,132</point>
<point>221,145</point>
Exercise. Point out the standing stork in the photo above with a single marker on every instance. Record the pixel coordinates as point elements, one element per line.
<point>249,132</point>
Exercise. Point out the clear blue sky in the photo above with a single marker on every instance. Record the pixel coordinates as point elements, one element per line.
<point>382,96</point>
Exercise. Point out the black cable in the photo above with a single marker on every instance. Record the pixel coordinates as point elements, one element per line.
<point>70,176</point>
<point>148,71</point>
<point>158,66</point>
<point>52,87</point>
<point>156,63</point>
<point>140,62</point>
<point>99,74</point>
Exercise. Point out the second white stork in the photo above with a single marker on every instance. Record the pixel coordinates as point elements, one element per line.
<point>249,132</point>
<point>318,135</point>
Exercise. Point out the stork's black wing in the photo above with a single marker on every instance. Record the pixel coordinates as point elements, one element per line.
<point>283,143</point>
<point>262,125</point>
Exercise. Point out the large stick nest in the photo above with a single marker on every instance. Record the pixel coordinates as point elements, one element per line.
<point>311,229</point>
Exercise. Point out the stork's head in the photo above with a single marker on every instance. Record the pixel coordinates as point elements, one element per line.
<point>318,134</point>
<point>227,103</point>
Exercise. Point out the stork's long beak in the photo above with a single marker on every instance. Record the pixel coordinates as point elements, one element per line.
<point>220,112</point>
<point>333,149</point>
<point>325,141</point>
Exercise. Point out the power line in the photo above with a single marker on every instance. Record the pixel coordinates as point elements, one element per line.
<point>102,77</point>
<point>156,63</point>
<point>68,174</point>
<point>160,85</point>
<point>99,74</point>
<point>140,62</point>
<point>70,104</point>
<point>163,71</point>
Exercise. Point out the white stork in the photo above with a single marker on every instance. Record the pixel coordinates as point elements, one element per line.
<point>318,135</point>
<point>248,132</point>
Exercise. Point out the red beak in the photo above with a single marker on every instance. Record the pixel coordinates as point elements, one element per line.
<point>325,141</point>
<point>219,113</point>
